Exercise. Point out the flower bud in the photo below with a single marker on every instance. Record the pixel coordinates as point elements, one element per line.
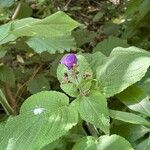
<point>69,60</point>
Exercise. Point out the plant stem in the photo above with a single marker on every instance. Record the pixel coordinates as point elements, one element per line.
<point>93,130</point>
<point>16,10</point>
<point>11,98</point>
<point>5,104</point>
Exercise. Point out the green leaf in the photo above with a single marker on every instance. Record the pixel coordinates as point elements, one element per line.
<point>135,99</point>
<point>106,142</point>
<point>113,142</point>
<point>145,83</point>
<point>144,9</point>
<point>44,117</point>
<point>38,84</point>
<point>124,67</point>
<point>93,109</point>
<point>52,44</point>
<point>3,51</point>
<point>131,132</point>
<point>83,36</point>
<point>6,3</point>
<point>132,7</point>
<point>129,117</point>
<point>109,44</point>
<point>51,34</point>
<point>144,145</point>
<point>55,25</point>
<point>95,60</point>
<point>86,143</point>
<point>7,75</point>
<point>5,33</point>
<point>98,16</point>
<point>25,11</point>
<point>73,86</point>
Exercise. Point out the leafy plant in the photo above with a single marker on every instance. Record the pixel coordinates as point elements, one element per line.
<point>96,97</point>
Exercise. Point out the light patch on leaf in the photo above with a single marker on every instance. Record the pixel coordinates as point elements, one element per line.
<point>38,111</point>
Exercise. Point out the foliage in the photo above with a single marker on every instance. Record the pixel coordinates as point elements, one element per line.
<point>95,99</point>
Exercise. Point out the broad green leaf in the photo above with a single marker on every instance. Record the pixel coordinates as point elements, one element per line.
<point>106,142</point>
<point>44,117</point>
<point>109,44</point>
<point>71,85</point>
<point>7,75</point>
<point>38,84</point>
<point>129,117</point>
<point>93,109</point>
<point>55,25</point>
<point>51,34</point>
<point>135,98</point>
<point>52,44</point>
<point>124,67</point>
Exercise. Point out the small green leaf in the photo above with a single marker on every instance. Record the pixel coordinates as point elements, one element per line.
<point>98,16</point>
<point>129,117</point>
<point>93,109</point>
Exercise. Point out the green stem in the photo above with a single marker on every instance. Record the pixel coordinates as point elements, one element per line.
<point>93,130</point>
<point>5,104</point>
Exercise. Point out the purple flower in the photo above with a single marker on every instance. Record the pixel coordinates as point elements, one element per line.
<point>69,60</point>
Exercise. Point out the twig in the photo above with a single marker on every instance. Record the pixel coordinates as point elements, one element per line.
<point>16,11</point>
<point>66,6</point>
